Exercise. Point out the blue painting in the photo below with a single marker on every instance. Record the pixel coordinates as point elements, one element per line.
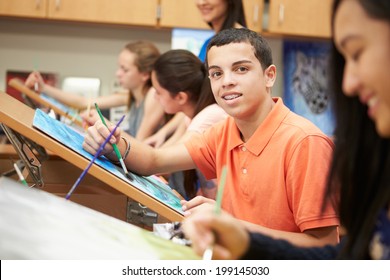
<point>306,82</point>
<point>72,113</point>
<point>73,139</point>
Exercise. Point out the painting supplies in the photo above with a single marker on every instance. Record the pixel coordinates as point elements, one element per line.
<point>116,150</point>
<point>208,253</point>
<point>21,177</point>
<point>93,159</point>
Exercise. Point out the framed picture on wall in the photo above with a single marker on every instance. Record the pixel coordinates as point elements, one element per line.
<point>306,82</point>
<point>190,39</point>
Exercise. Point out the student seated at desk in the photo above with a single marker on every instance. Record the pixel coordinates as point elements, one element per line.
<point>277,161</point>
<point>135,64</point>
<point>182,85</point>
<point>361,163</point>
<point>219,15</point>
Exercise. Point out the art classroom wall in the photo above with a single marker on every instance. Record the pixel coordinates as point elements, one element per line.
<point>69,49</point>
<point>81,50</point>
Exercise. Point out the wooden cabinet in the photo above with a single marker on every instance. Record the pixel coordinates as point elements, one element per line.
<point>185,14</point>
<point>130,12</point>
<point>133,12</point>
<point>23,8</point>
<point>285,17</point>
<point>300,17</point>
<point>254,14</point>
<point>182,13</point>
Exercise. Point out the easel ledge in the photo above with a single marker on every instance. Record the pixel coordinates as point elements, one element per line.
<point>19,117</point>
<point>17,84</point>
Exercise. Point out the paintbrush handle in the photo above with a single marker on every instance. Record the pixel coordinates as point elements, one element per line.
<point>116,150</point>
<point>93,159</point>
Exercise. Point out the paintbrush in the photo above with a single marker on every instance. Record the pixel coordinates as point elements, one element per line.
<point>93,159</point>
<point>116,150</point>
<point>208,253</point>
<point>89,103</point>
<point>21,177</point>
<point>36,85</point>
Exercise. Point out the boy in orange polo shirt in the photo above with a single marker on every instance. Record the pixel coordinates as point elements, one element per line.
<point>277,161</point>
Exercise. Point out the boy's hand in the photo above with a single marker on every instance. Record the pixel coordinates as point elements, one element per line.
<point>195,204</point>
<point>96,135</point>
<point>226,234</point>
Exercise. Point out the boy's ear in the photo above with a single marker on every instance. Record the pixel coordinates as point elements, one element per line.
<point>270,75</point>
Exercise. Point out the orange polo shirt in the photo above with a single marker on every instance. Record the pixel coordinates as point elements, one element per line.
<point>277,178</point>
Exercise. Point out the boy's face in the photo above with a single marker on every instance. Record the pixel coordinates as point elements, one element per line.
<point>238,81</point>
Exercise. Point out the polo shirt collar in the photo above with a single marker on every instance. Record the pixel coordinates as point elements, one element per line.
<point>263,133</point>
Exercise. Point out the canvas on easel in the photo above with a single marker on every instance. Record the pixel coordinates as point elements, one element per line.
<point>147,191</point>
<point>73,140</point>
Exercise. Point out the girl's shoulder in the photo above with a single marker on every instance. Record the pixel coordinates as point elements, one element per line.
<point>209,116</point>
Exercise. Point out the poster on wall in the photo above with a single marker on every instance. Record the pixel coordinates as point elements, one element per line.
<point>306,82</point>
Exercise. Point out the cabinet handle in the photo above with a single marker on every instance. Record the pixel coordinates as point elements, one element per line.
<point>58,4</point>
<point>158,12</point>
<point>37,4</point>
<point>256,14</point>
<point>281,13</point>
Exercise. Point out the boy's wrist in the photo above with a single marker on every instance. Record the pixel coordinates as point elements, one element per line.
<point>113,157</point>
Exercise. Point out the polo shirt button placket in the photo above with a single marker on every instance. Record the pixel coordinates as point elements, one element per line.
<point>243,170</point>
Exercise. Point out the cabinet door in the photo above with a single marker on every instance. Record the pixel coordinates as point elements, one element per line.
<point>134,12</point>
<point>182,13</point>
<point>300,17</point>
<point>253,10</point>
<point>23,8</point>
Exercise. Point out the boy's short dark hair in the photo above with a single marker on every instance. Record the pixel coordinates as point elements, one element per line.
<point>262,50</point>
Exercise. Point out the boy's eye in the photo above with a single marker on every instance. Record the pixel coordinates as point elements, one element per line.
<point>241,69</point>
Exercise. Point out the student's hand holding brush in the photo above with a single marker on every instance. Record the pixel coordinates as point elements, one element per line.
<point>96,135</point>
<point>214,234</point>
<point>227,235</point>
<point>35,81</point>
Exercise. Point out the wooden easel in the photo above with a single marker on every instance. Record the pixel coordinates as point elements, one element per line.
<point>18,84</point>
<point>19,117</point>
